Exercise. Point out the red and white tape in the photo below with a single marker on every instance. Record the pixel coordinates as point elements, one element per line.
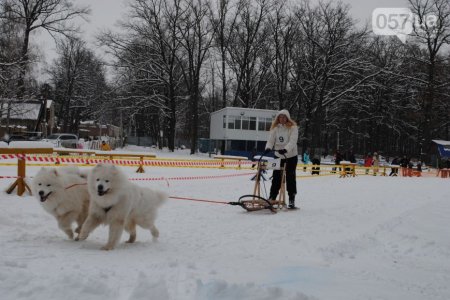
<point>165,178</point>
<point>157,163</point>
<point>190,177</point>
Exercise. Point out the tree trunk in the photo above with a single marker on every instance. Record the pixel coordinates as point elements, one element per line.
<point>23,65</point>
<point>194,117</point>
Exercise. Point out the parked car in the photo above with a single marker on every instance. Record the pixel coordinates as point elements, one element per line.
<point>33,135</point>
<point>15,137</point>
<point>67,140</point>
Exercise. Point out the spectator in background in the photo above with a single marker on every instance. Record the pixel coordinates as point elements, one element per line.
<point>419,167</point>
<point>368,160</point>
<point>338,158</point>
<point>351,157</point>
<point>404,165</point>
<point>105,146</point>
<point>306,159</point>
<point>376,163</point>
<point>409,170</point>
<point>394,170</point>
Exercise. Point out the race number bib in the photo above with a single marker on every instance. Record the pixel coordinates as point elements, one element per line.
<point>274,164</point>
<point>282,138</point>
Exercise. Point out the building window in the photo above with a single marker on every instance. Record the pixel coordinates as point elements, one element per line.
<point>237,122</point>
<point>261,124</point>
<point>268,123</point>
<point>224,121</point>
<point>264,124</point>
<point>230,122</point>
<point>252,123</point>
<point>234,122</point>
<point>245,123</point>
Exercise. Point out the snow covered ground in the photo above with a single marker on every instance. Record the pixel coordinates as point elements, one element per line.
<point>355,238</point>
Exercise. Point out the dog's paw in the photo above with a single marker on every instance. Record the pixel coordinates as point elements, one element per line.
<point>80,238</point>
<point>107,247</point>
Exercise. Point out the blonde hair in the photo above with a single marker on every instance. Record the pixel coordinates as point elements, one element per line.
<point>290,123</point>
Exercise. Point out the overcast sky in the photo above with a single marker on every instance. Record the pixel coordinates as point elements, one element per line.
<point>105,14</point>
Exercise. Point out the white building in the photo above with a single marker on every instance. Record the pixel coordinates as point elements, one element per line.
<point>241,130</point>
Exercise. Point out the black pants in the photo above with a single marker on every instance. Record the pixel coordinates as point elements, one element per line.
<point>394,172</point>
<point>291,183</point>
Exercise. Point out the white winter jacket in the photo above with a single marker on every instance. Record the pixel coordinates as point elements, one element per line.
<point>282,137</point>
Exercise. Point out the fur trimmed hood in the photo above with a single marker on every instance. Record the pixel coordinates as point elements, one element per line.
<point>286,113</point>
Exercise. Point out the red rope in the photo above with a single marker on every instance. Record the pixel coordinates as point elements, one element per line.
<point>198,200</point>
<point>71,186</point>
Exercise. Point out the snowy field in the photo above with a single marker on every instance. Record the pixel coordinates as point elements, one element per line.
<point>355,238</point>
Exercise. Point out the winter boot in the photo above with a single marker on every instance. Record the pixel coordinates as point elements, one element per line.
<point>291,202</point>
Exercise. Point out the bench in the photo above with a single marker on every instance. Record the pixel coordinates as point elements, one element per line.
<point>230,157</point>
<point>22,149</point>
<point>115,154</point>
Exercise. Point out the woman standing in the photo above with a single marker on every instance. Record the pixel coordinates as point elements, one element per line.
<point>283,140</point>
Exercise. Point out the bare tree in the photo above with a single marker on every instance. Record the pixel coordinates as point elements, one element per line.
<point>147,59</point>
<point>433,34</point>
<point>224,16</point>
<point>9,52</point>
<point>50,15</point>
<point>79,81</point>
<point>282,32</point>
<point>249,53</point>
<point>196,37</point>
<point>328,63</point>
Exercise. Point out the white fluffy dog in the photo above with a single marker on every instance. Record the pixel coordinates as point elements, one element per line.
<point>63,193</point>
<point>120,204</point>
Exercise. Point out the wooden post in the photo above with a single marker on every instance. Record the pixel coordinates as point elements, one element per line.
<point>141,165</point>
<point>21,166</point>
<point>343,172</point>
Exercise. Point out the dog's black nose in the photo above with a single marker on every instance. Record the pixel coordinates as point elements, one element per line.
<point>41,193</point>
<point>100,187</point>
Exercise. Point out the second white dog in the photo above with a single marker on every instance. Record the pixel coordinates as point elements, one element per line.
<point>120,204</point>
